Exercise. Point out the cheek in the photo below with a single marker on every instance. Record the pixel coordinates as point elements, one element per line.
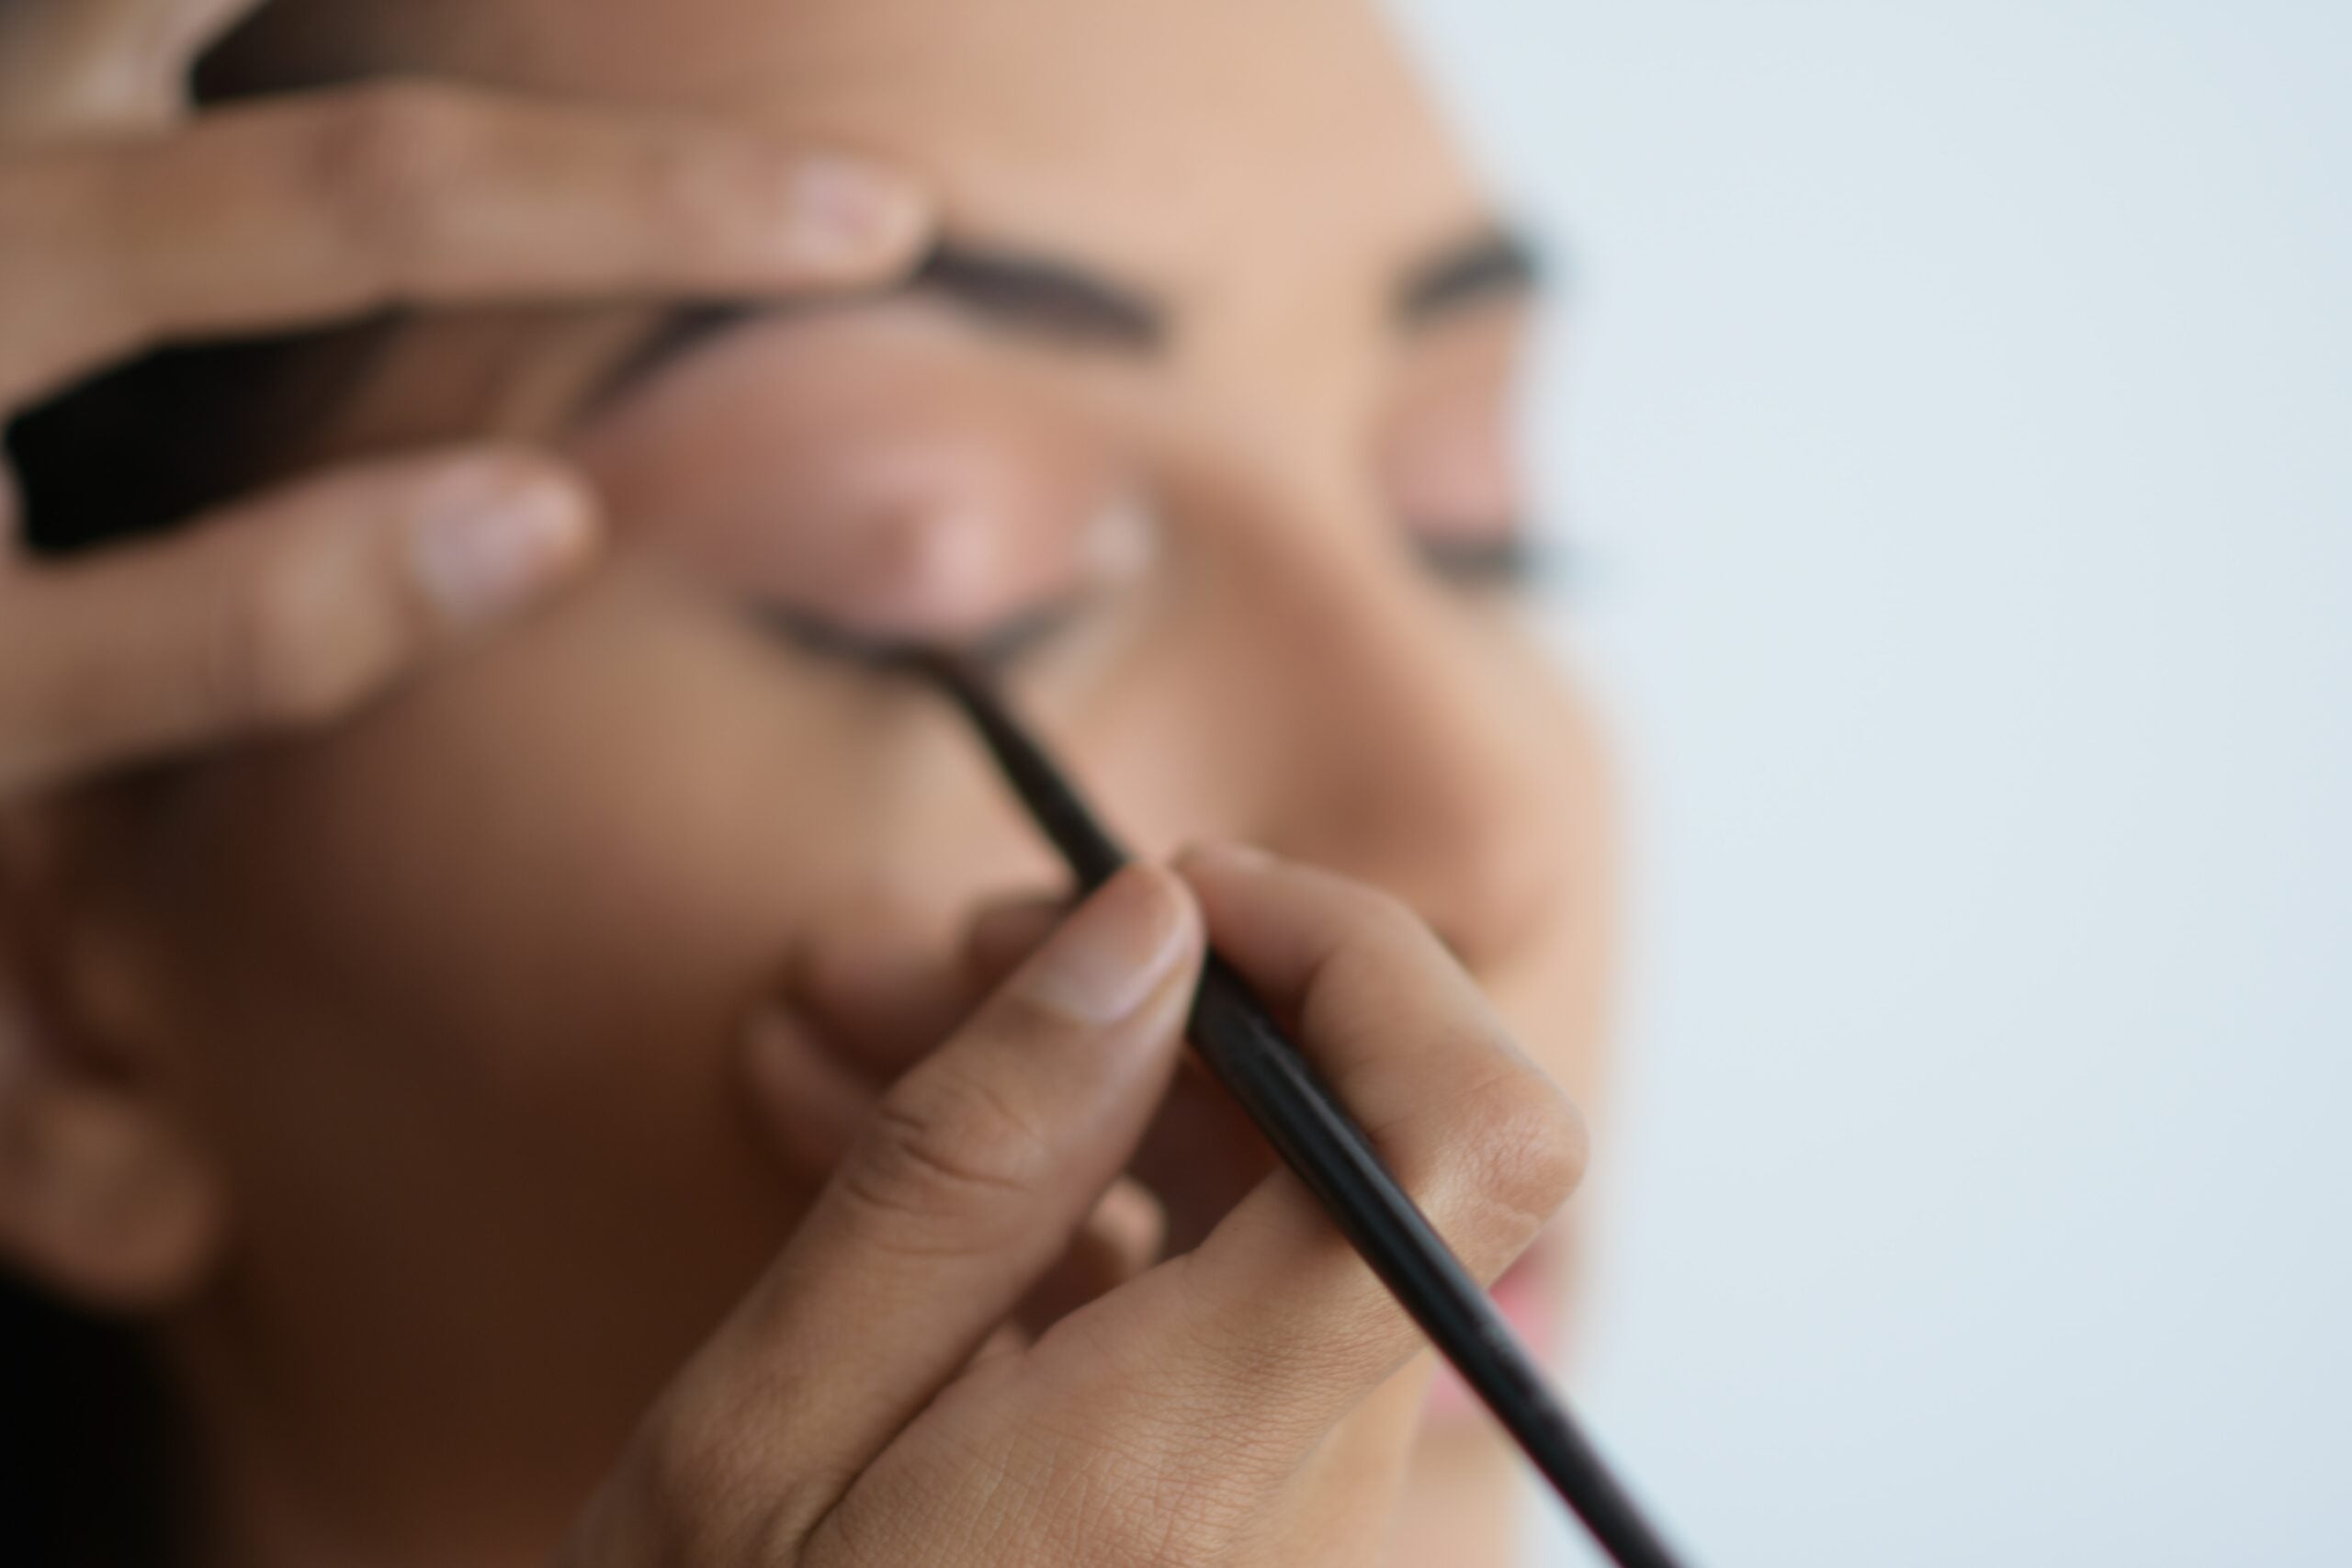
<point>1556,988</point>
<point>591,829</point>
<point>469,976</point>
<point>540,891</point>
<point>461,985</point>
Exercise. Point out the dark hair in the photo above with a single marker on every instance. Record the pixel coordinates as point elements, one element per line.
<point>149,445</point>
<point>90,1468</point>
<point>89,1472</point>
<point>93,1468</point>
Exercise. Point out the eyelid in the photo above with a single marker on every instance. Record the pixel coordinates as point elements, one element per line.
<point>1118,546</point>
<point>674,337</point>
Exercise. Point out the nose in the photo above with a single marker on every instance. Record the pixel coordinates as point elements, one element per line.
<point>1372,722</point>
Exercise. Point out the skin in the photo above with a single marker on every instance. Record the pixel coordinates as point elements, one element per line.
<point>126,221</point>
<point>435,1018</point>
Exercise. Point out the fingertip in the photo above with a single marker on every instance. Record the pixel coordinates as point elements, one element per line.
<point>1216,872</point>
<point>1223,859</point>
<point>1192,923</point>
<point>850,218</point>
<point>1119,947</point>
<point>1281,922</point>
<point>494,532</point>
<point>1130,1225</point>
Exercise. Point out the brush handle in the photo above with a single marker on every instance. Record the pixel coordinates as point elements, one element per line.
<point>1316,1137</point>
<point>1319,1141</point>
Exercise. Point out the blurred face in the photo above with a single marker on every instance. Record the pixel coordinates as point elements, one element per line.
<point>1198,435</point>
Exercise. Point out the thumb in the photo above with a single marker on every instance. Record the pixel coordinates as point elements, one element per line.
<point>970,1180</point>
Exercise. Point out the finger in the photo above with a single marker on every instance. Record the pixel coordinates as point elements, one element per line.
<point>1344,1496</point>
<point>868,999</point>
<point>1119,1240</point>
<point>283,612</point>
<point>1274,1312</point>
<point>82,65</point>
<point>313,206</point>
<point>974,1176</point>
<point>1202,1157</point>
<point>810,1108</point>
<point>1009,1339</point>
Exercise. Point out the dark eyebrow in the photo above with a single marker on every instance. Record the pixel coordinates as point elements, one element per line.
<point>1050,299</point>
<point>1064,303</point>
<point>1057,301</point>
<point>1498,266</point>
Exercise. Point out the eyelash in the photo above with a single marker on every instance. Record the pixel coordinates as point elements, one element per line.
<point>1509,562</point>
<point>1007,643</point>
<point>1511,559</point>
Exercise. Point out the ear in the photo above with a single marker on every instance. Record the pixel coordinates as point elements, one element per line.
<point>106,1195</point>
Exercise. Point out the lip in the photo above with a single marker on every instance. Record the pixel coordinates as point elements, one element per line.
<point>1527,1297</point>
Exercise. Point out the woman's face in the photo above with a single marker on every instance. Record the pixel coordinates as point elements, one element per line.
<point>1198,438</point>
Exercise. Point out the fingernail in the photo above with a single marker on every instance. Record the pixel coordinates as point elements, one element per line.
<point>848,215</point>
<point>1114,954</point>
<point>492,539</point>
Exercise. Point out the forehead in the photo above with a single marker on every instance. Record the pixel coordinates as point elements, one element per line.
<point>1168,137</point>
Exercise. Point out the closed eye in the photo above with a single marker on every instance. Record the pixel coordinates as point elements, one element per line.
<point>1013,639</point>
<point>996,647</point>
<point>1510,559</point>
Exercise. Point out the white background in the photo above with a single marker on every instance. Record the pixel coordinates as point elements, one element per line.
<point>1954,403</point>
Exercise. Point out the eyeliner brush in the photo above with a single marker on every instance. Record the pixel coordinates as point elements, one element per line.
<point>1321,1141</point>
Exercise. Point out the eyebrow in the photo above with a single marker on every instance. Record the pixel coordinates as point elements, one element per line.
<point>1048,298</point>
<point>1071,307</point>
<point>1015,292</point>
<point>1487,268</point>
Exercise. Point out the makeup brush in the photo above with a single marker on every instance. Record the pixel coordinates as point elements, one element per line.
<point>1315,1137</point>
